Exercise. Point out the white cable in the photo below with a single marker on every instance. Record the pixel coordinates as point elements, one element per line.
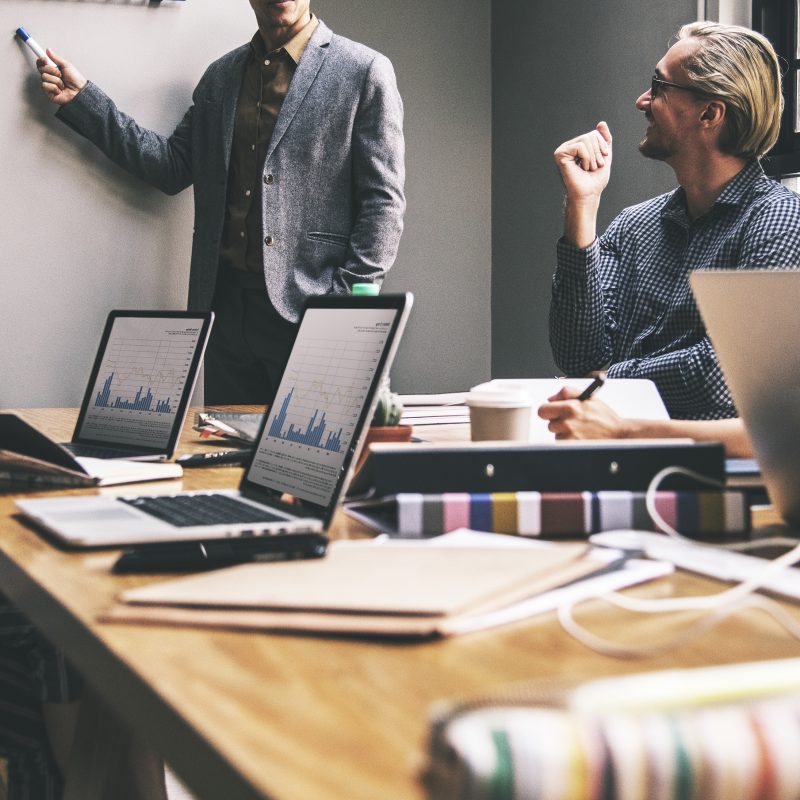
<point>652,488</point>
<point>650,502</point>
<point>711,620</point>
<point>716,607</point>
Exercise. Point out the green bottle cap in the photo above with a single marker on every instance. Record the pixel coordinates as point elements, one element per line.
<point>370,289</point>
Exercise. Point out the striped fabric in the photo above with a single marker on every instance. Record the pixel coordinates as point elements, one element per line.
<point>570,513</point>
<point>737,750</point>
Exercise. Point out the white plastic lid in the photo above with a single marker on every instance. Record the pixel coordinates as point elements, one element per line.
<point>484,397</point>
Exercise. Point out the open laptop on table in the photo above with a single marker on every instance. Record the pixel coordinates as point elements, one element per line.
<point>304,451</point>
<point>141,383</point>
<point>753,320</point>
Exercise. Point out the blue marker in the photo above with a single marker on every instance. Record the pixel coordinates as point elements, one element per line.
<point>32,43</point>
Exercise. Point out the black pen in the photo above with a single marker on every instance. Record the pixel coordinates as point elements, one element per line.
<point>213,554</point>
<point>214,458</point>
<point>591,388</point>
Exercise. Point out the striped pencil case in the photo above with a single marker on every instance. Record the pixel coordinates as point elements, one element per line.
<point>554,515</point>
<point>696,747</point>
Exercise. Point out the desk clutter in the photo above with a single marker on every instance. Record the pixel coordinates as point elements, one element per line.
<point>719,732</point>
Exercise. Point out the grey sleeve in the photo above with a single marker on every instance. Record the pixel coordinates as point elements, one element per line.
<point>162,161</point>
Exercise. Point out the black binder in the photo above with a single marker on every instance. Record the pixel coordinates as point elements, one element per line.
<point>513,467</point>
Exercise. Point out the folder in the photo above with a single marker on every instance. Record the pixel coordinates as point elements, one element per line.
<point>513,467</point>
<point>363,589</point>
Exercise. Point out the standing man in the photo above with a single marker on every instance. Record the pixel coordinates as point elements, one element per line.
<point>294,146</point>
<point>622,301</point>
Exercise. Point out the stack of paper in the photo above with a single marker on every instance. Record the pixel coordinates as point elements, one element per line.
<point>434,409</point>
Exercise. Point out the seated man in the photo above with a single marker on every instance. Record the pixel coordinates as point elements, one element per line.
<point>622,301</point>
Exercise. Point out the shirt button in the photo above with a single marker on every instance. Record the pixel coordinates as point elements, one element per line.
<point>247,193</point>
<point>252,147</point>
<point>241,234</point>
<point>269,179</point>
<point>266,62</point>
<point>268,241</point>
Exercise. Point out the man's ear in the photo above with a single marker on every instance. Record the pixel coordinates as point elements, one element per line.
<point>714,113</point>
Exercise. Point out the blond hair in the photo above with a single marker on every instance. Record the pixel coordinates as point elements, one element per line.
<point>740,67</point>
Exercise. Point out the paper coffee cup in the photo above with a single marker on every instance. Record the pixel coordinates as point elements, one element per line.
<point>499,415</point>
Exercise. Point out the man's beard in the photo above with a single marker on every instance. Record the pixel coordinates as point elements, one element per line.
<point>658,151</point>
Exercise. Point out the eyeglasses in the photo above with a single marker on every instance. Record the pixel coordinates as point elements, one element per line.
<point>657,83</point>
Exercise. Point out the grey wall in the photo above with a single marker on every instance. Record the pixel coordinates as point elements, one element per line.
<point>441,54</point>
<point>80,237</point>
<point>558,67</point>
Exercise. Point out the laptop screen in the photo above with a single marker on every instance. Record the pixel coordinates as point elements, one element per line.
<point>142,378</point>
<point>327,389</point>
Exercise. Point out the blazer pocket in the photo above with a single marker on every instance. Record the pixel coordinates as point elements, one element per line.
<point>331,238</point>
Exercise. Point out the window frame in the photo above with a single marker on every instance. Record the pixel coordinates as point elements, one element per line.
<point>779,20</point>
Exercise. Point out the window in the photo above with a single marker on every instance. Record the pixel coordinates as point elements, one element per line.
<point>779,21</point>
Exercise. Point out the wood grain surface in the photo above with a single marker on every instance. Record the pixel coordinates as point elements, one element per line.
<point>243,715</point>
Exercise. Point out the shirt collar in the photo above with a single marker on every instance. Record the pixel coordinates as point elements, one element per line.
<point>734,194</point>
<point>294,48</point>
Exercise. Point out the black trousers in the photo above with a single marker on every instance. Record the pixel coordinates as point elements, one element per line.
<point>250,342</point>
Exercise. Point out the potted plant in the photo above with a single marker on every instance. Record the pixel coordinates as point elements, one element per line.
<point>385,425</point>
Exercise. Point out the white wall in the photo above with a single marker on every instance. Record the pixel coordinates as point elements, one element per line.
<point>80,237</point>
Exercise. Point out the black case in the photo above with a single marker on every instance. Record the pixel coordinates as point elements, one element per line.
<point>564,467</point>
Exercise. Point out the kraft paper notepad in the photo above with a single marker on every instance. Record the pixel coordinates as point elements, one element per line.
<point>359,589</point>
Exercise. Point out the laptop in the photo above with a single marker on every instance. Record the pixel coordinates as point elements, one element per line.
<point>304,453</point>
<point>753,320</point>
<point>140,386</point>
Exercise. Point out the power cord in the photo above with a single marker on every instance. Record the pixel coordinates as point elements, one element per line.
<point>714,608</point>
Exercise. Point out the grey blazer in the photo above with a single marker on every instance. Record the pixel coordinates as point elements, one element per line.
<point>333,177</point>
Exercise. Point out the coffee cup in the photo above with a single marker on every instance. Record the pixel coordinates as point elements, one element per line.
<point>499,414</point>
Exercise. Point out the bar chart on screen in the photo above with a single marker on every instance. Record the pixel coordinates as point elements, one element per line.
<point>142,376</point>
<point>320,400</point>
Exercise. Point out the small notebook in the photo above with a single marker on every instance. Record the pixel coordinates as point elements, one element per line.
<point>360,588</point>
<point>31,460</point>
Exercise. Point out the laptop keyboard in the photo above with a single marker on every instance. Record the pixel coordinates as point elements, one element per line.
<point>184,511</point>
<point>98,451</point>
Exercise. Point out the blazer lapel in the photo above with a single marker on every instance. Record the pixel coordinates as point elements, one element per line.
<point>230,97</point>
<point>307,70</point>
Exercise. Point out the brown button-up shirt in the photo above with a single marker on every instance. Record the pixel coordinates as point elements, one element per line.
<point>265,84</point>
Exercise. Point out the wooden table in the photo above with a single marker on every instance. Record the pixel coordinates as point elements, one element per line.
<point>242,715</point>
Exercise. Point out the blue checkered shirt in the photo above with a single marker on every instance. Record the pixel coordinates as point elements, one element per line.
<point>625,300</point>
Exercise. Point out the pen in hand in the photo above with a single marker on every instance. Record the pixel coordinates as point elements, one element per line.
<point>591,389</point>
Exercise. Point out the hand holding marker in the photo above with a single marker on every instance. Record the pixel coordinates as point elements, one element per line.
<point>60,80</point>
<point>33,44</point>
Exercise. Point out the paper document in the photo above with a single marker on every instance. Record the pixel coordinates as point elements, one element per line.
<point>434,409</point>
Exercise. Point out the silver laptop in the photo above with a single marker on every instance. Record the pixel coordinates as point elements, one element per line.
<point>304,451</point>
<point>753,320</point>
<point>141,383</point>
